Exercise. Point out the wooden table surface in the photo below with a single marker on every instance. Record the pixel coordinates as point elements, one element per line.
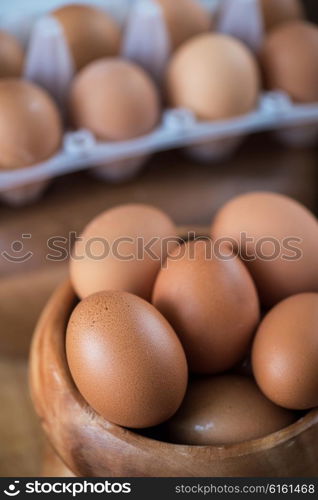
<point>20,436</point>
<point>189,192</point>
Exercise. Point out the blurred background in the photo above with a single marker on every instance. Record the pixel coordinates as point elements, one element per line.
<point>188,190</point>
<point>312,9</point>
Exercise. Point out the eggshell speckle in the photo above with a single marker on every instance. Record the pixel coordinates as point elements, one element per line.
<point>115,99</point>
<point>90,33</point>
<point>285,353</point>
<point>211,303</point>
<point>30,124</point>
<point>125,359</point>
<point>11,56</point>
<point>225,410</point>
<point>213,75</point>
<point>102,260</point>
<point>290,63</point>
<point>184,19</point>
<point>278,239</point>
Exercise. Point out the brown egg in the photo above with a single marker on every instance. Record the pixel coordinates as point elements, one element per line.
<point>289,60</point>
<point>225,410</point>
<point>124,102</point>
<point>278,239</point>
<point>90,33</point>
<point>215,76</point>
<point>30,125</point>
<point>11,56</point>
<point>125,359</point>
<point>285,353</point>
<point>278,12</point>
<point>122,249</point>
<point>184,19</point>
<point>211,303</point>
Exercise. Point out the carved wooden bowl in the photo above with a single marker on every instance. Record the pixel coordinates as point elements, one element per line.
<point>91,446</point>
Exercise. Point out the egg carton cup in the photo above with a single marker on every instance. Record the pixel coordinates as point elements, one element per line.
<point>298,137</point>
<point>20,196</point>
<point>120,171</point>
<point>49,62</point>
<point>178,129</point>
<point>242,19</point>
<point>18,16</point>
<point>146,41</point>
<point>214,151</point>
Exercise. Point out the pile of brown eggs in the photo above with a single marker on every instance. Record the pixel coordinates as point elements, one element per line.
<point>213,75</point>
<point>166,326</point>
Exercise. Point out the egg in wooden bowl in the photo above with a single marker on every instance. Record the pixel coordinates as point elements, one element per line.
<point>112,379</point>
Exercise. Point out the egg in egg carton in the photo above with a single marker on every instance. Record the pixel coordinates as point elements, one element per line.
<point>146,42</point>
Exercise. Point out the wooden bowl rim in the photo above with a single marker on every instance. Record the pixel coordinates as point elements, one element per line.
<point>63,299</point>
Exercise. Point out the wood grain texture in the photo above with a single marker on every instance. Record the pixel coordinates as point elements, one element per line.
<point>91,446</point>
<point>20,433</point>
<point>22,298</point>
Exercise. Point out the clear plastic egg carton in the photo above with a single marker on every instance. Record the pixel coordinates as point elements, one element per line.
<point>295,125</point>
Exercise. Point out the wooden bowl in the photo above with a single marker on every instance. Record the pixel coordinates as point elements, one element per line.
<point>91,446</point>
